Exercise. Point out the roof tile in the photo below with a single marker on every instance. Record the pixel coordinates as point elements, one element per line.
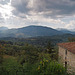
<point>70,46</point>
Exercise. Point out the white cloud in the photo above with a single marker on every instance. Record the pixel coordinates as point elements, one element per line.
<point>6,10</point>
<point>71,24</point>
<point>19,13</point>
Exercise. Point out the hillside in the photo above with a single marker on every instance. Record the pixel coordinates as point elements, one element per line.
<point>66,30</point>
<point>30,31</point>
<point>3,28</point>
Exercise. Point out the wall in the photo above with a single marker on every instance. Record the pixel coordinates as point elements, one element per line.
<point>70,58</point>
<point>61,55</point>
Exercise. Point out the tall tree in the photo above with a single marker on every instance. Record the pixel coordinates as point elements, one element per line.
<point>1,54</point>
<point>49,48</point>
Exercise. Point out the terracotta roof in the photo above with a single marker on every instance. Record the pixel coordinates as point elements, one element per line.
<point>70,46</point>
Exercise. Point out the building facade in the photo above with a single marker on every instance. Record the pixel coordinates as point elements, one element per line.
<point>67,55</point>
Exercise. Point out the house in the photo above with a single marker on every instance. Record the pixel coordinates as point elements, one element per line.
<point>67,55</point>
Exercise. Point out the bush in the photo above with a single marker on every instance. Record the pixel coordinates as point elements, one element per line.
<point>50,68</point>
<point>44,67</point>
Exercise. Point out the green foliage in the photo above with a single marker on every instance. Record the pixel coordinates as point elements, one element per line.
<point>44,67</point>
<point>11,67</point>
<point>1,53</point>
<point>29,54</point>
<point>25,59</point>
<point>71,39</point>
<point>27,69</point>
<point>50,68</point>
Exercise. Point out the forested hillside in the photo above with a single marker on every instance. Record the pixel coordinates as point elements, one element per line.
<point>30,31</point>
<point>28,59</point>
<point>32,56</point>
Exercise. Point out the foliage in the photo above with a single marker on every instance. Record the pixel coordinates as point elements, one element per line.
<point>11,67</point>
<point>45,67</point>
<point>71,39</point>
<point>25,59</point>
<point>1,53</point>
<point>50,68</point>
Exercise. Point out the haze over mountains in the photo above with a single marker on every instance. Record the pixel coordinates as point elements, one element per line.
<point>31,31</point>
<point>66,30</point>
<point>3,28</point>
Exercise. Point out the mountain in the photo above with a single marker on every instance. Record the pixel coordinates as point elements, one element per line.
<point>30,31</point>
<point>73,30</point>
<point>65,30</point>
<point>3,28</point>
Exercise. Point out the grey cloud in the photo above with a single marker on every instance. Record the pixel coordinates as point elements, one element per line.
<point>57,7</point>
<point>1,19</point>
<point>4,2</point>
<point>21,9</point>
<point>72,0</point>
<point>20,5</point>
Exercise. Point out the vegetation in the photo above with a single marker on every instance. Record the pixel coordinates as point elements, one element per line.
<point>21,58</point>
<point>71,39</point>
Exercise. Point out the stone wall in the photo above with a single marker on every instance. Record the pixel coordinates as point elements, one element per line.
<point>70,58</point>
<point>61,55</point>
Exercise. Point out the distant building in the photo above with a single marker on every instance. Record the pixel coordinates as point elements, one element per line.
<point>67,55</point>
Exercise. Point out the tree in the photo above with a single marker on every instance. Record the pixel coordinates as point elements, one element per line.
<point>1,54</point>
<point>49,48</point>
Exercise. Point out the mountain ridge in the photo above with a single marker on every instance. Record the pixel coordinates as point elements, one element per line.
<point>3,28</point>
<point>30,31</point>
<point>66,30</point>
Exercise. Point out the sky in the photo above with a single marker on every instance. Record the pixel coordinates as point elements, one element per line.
<point>50,13</point>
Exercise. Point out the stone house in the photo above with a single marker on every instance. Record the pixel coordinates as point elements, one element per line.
<point>67,55</point>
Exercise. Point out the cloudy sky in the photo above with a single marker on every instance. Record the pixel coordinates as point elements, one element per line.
<point>50,13</point>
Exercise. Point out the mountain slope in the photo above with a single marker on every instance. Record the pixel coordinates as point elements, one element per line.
<point>66,31</point>
<point>30,31</point>
<point>3,28</point>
